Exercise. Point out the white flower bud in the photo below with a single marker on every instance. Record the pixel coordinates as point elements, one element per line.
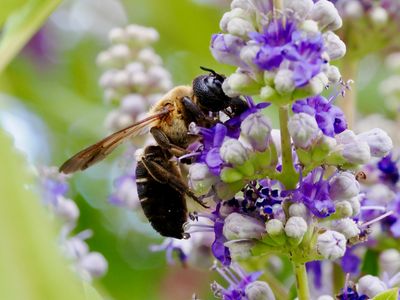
<point>141,35</point>
<point>232,151</point>
<point>304,130</point>
<point>117,35</point>
<point>331,244</point>
<point>240,27</point>
<point>105,60</point>
<point>135,67</point>
<point>296,227</point>
<point>126,194</point>
<point>121,80</point>
<point>389,262</point>
<point>238,83</point>
<point>66,209</point>
<point>259,290</point>
<point>200,179</point>
<point>284,83</point>
<point>298,210</point>
<point>243,4</point>
<point>334,45</point>
<point>326,14</point>
<point>354,150</point>
<point>94,263</point>
<point>267,92</point>
<point>343,209</point>
<point>333,74</point>
<point>370,286</point>
<point>120,52</point>
<point>149,57</point>
<point>300,8</point>
<point>107,79</point>
<point>240,249</point>
<point>355,205</point>
<point>274,227</point>
<point>310,27</point>
<point>353,9</point>
<point>238,226</point>
<point>379,142</point>
<point>236,13</point>
<point>256,129</point>
<point>317,84</point>
<point>343,186</point>
<point>133,104</point>
<point>248,53</point>
<point>378,15</point>
<point>347,227</point>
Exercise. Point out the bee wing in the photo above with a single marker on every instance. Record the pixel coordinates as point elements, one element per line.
<point>101,149</point>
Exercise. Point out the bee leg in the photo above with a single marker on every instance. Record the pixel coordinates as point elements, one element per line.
<point>163,141</point>
<point>162,175</point>
<point>195,113</point>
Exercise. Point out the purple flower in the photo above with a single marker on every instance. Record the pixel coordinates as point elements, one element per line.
<point>350,262</point>
<point>330,118</point>
<point>313,192</point>
<point>316,268</point>
<point>171,246</point>
<point>350,293</point>
<point>394,220</point>
<point>389,169</point>
<point>281,41</point>
<point>226,49</point>
<point>276,42</point>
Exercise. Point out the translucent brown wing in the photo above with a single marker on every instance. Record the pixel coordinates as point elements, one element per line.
<point>101,149</point>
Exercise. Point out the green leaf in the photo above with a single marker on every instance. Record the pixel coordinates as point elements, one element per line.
<point>31,266</point>
<point>20,27</point>
<point>391,294</point>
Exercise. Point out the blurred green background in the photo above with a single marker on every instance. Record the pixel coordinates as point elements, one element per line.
<point>51,102</point>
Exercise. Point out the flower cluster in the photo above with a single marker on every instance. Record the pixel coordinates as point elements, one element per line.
<point>54,187</point>
<point>134,76</point>
<point>283,55</point>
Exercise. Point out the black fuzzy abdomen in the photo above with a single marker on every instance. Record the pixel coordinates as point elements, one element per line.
<point>163,206</point>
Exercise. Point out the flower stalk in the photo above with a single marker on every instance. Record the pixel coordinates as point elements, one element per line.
<point>301,281</point>
<point>288,176</point>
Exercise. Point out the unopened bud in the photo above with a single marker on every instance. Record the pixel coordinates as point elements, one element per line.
<point>334,45</point>
<point>304,130</point>
<point>343,186</point>
<point>353,9</point>
<point>240,249</point>
<point>379,142</point>
<point>325,297</point>
<point>240,83</point>
<point>389,261</point>
<point>318,83</point>
<point>117,35</point>
<point>327,16</point>
<point>240,27</point>
<point>284,83</point>
<point>347,227</point>
<point>232,151</point>
<point>298,210</point>
<point>300,8</point>
<point>296,227</point>
<point>370,286</point>
<point>343,209</point>
<point>200,179</point>
<point>378,15</point>
<point>331,244</point>
<point>226,48</point>
<point>259,290</point>
<point>256,129</point>
<point>354,150</point>
<point>238,226</point>
<point>94,263</point>
<point>355,204</point>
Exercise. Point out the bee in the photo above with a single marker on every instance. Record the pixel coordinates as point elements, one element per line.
<point>161,189</point>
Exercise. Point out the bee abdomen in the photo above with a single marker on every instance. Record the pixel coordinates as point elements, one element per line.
<point>163,206</point>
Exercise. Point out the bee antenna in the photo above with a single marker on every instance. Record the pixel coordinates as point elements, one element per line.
<point>219,76</point>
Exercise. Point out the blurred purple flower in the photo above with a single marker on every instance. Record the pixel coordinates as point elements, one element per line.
<point>330,118</point>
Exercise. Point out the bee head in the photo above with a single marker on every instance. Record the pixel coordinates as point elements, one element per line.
<point>208,91</point>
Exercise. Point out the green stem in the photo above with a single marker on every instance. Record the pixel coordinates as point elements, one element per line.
<point>288,176</point>
<point>301,281</point>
